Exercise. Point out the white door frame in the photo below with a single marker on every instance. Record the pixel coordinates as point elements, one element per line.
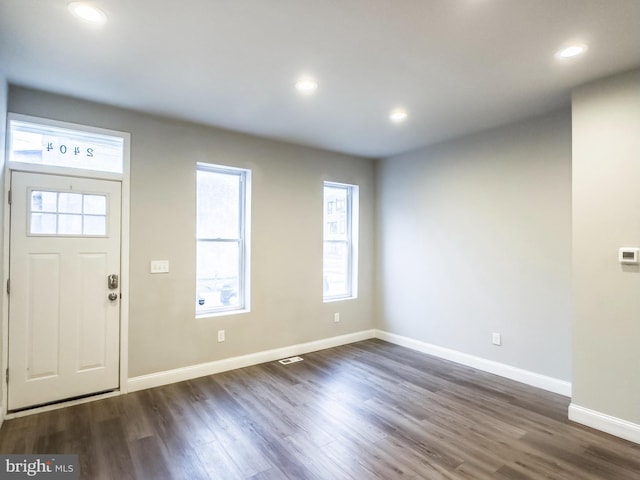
<point>124,250</point>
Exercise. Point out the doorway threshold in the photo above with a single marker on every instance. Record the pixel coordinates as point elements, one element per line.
<point>67,402</point>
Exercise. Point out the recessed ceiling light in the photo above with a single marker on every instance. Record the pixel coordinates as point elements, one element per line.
<point>306,86</point>
<point>88,12</point>
<point>398,115</point>
<point>571,51</point>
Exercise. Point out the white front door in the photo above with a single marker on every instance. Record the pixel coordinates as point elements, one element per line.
<point>64,314</point>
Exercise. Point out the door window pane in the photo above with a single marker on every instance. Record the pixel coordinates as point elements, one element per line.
<point>43,224</point>
<point>67,214</point>
<point>44,201</point>
<point>95,204</point>
<point>70,224</point>
<point>95,225</point>
<point>70,202</point>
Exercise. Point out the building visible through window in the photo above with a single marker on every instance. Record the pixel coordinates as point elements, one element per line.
<point>340,250</point>
<point>222,251</point>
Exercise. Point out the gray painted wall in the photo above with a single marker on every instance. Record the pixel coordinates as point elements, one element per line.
<point>474,238</point>
<point>286,280</point>
<point>606,202</point>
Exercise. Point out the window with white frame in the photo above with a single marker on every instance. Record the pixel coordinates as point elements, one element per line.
<point>49,144</point>
<point>340,249</point>
<point>222,262</point>
<point>54,213</point>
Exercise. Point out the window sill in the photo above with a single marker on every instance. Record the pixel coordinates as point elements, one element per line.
<point>223,313</point>
<point>337,299</point>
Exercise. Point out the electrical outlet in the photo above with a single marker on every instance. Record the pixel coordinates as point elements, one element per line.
<point>336,318</point>
<point>497,339</point>
<point>221,336</point>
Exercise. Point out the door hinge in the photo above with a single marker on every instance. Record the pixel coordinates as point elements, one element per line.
<point>7,375</point>
<point>9,197</point>
<point>8,286</point>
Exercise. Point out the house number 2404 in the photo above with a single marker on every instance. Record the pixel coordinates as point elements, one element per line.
<point>75,150</point>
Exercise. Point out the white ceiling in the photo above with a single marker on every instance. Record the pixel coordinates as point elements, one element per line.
<point>457,66</point>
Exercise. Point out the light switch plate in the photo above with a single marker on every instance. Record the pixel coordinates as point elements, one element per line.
<point>159,266</point>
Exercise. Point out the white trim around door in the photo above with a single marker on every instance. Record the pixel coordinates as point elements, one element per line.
<point>124,178</point>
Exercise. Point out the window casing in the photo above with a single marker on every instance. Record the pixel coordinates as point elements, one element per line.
<point>340,247</point>
<point>222,252</point>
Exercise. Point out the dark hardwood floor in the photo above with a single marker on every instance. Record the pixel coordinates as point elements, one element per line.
<point>369,410</point>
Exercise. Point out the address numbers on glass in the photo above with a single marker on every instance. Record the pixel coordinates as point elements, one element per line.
<point>54,144</point>
<point>75,150</point>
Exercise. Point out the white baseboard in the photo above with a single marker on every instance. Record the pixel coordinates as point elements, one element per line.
<point>194,371</point>
<point>606,423</point>
<point>550,384</point>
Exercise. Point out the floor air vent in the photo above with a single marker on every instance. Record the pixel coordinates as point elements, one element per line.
<point>287,361</point>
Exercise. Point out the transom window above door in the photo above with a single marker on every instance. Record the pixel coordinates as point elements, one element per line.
<point>50,146</point>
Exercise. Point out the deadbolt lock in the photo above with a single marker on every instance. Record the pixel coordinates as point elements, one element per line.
<point>112,281</point>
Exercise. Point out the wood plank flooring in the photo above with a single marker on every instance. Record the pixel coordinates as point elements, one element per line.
<point>368,410</point>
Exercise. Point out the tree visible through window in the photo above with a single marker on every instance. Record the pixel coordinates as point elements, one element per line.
<point>340,250</point>
<point>221,265</point>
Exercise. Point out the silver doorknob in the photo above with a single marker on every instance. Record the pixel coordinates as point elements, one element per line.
<point>113,296</point>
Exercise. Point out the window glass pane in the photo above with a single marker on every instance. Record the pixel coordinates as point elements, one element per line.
<point>95,204</point>
<point>221,257</point>
<point>39,143</point>
<point>218,274</point>
<point>336,214</point>
<point>70,202</point>
<point>336,269</point>
<point>94,225</point>
<point>44,201</point>
<point>340,248</point>
<point>218,205</point>
<point>70,224</point>
<point>61,213</point>
<point>43,224</point>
